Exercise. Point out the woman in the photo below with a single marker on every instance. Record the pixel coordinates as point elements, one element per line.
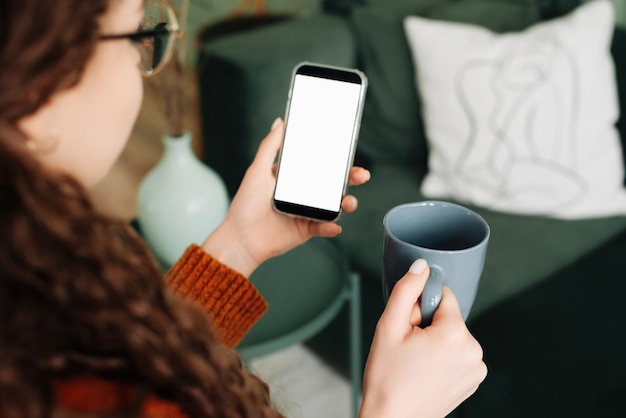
<point>87,325</point>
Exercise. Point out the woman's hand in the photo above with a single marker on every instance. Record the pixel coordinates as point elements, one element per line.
<point>415,372</point>
<point>253,230</point>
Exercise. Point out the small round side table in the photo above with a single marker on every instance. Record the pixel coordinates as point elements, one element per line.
<point>305,290</point>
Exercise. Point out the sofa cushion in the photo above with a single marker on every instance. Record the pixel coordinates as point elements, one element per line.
<point>523,250</point>
<point>388,122</point>
<point>391,127</point>
<point>522,122</point>
<point>550,9</point>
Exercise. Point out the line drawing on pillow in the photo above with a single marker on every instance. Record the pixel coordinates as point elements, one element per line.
<point>522,108</point>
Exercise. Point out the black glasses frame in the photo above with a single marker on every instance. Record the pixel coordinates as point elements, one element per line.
<point>140,34</point>
<point>164,36</point>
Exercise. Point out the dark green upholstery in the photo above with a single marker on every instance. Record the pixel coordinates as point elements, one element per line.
<point>244,79</point>
<point>340,6</point>
<point>547,355</point>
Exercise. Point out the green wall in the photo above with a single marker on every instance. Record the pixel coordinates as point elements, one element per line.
<point>204,12</point>
<point>620,11</point>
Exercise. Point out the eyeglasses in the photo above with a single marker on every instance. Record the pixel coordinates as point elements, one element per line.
<point>155,41</point>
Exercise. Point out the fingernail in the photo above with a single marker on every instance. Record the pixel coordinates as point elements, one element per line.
<point>275,124</point>
<point>349,203</point>
<point>418,266</point>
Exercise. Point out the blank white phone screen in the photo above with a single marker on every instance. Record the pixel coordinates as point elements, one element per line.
<point>317,144</point>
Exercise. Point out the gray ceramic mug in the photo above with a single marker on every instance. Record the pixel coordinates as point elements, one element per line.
<point>451,238</point>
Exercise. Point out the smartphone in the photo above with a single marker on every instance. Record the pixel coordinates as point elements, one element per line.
<point>322,123</point>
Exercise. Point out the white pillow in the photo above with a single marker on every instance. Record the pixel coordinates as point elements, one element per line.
<point>522,122</point>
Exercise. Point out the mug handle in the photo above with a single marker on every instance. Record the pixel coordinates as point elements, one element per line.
<point>431,296</point>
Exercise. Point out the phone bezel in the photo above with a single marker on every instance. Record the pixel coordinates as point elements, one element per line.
<point>305,211</point>
<point>333,73</point>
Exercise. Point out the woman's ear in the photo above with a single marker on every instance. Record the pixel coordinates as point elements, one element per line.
<point>40,129</point>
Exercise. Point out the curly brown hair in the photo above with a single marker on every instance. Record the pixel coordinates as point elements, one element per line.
<point>80,295</point>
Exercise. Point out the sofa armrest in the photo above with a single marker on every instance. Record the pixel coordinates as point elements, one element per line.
<point>244,81</point>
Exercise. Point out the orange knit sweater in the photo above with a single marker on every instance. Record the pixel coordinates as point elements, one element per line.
<point>229,298</point>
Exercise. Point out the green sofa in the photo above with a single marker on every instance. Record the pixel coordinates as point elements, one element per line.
<point>531,311</point>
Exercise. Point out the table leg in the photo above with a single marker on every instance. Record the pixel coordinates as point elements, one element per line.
<point>354,294</point>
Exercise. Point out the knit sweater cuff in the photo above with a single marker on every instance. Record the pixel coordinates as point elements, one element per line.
<point>230,299</point>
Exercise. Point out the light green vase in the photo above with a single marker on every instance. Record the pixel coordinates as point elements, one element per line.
<point>180,201</point>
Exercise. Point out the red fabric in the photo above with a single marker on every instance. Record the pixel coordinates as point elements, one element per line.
<point>91,396</point>
<point>228,297</point>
